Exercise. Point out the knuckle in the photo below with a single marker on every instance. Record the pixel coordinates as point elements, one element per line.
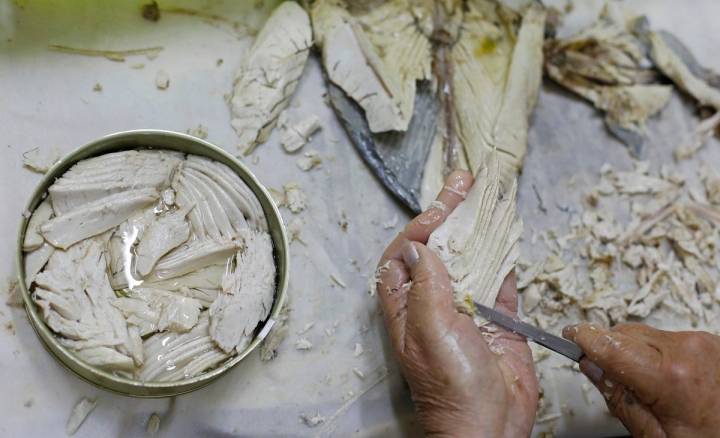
<point>602,345</point>
<point>697,343</point>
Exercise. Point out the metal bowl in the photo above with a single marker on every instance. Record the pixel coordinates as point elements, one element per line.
<point>154,139</point>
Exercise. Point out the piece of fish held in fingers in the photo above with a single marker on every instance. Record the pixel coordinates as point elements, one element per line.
<point>269,74</point>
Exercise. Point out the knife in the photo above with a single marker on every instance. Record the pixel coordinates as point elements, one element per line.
<point>555,343</point>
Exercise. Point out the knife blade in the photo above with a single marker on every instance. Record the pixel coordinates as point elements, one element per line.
<point>555,343</point>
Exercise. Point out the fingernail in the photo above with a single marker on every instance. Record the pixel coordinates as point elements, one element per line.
<point>410,255</point>
<point>592,371</point>
<point>569,332</point>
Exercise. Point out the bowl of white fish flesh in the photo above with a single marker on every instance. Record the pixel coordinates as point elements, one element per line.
<point>151,262</point>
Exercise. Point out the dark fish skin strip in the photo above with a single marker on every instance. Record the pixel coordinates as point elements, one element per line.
<point>406,152</point>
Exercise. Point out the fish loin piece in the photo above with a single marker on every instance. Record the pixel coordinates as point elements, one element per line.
<point>247,296</point>
<point>33,238</point>
<point>236,189</point>
<point>75,298</point>
<point>495,92</point>
<point>269,74</point>
<point>383,86</point>
<point>166,233</point>
<point>192,256</point>
<point>94,182</point>
<point>36,260</point>
<point>96,217</point>
<point>216,210</point>
<point>168,354</point>
<point>234,215</point>
<point>152,310</point>
<point>478,243</point>
<point>120,245</point>
<point>106,358</point>
<point>202,206</point>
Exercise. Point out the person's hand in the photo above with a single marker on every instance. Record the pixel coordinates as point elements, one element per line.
<point>465,382</point>
<point>658,383</point>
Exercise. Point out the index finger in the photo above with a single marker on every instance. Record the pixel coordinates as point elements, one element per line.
<point>420,228</point>
<point>623,358</point>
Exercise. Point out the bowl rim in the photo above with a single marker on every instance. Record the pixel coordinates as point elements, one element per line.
<point>135,139</point>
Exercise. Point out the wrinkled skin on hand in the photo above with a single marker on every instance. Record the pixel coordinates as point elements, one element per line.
<point>658,383</point>
<point>459,386</point>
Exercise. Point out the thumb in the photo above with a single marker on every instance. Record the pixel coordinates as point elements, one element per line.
<point>430,305</point>
<point>622,403</point>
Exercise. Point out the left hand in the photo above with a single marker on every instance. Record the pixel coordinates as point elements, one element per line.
<point>460,387</point>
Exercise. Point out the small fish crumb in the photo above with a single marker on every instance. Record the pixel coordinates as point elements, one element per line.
<point>162,80</point>
<point>358,350</point>
<point>97,87</point>
<point>359,373</point>
<point>79,414</point>
<point>295,199</point>
<point>392,222</point>
<point>303,344</point>
<point>14,298</point>
<point>309,161</point>
<point>312,421</point>
<point>153,424</point>
<point>339,281</point>
<point>306,328</point>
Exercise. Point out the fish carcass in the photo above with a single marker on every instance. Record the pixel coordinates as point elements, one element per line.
<point>438,86</point>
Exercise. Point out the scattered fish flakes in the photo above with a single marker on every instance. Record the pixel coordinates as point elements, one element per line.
<point>162,80</point>
<point>97,87</point>
<point>40,161</point>
<point>79,414</point>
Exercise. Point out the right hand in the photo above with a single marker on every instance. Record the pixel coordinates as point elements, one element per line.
<point>658,383</point>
